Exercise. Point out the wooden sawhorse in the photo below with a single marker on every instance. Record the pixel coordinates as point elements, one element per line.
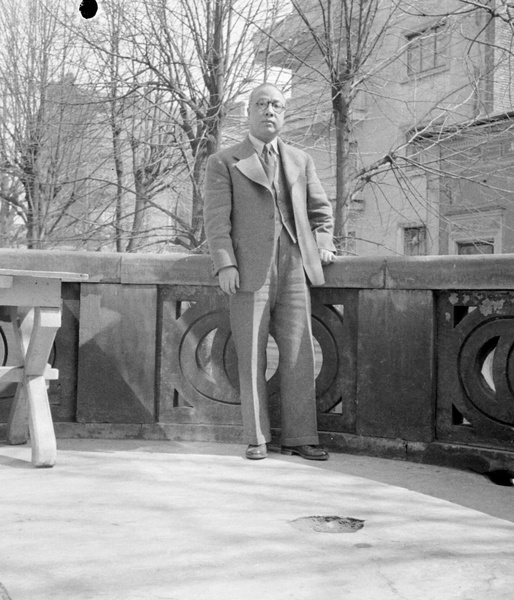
<point>32,301</point>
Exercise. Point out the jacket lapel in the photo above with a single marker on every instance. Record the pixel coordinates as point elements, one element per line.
<point>291,167</point>
<point>250,165</point>
<point>292,172</point>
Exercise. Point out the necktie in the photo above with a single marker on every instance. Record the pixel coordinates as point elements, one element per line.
<point>269,162</point>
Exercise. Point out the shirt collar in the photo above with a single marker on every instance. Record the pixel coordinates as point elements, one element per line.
<point>259,145</point>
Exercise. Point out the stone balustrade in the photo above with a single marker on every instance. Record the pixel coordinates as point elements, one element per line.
<point>414,355</point>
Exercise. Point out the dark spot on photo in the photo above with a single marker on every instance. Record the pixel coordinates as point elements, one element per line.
<point>88,8</point>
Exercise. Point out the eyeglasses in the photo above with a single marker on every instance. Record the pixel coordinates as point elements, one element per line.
<point>278,107</point>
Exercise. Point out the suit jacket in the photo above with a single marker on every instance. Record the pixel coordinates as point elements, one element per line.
<point>239,212</point>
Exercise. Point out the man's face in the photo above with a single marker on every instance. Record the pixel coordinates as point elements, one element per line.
<point>266,123</point>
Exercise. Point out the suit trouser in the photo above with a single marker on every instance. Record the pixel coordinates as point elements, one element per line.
<point>283,302</point>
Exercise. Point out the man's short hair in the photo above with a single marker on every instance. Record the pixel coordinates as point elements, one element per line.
<point>262,85</point>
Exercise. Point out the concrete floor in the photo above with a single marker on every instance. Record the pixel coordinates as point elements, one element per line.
<point>137,520</point>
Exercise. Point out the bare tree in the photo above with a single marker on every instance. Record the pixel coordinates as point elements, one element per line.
<point>196,58</point>
<point>42,121</point>
<point>106,126</point>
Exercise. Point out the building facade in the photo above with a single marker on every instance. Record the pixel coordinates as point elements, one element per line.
<point>430,142</point>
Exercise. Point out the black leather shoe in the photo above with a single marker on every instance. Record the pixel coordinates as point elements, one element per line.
<point>256,452</point>
<point>309,452</point>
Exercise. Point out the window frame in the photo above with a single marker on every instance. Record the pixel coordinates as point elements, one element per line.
<point>431,45</point>
<point>489,243</point>
<point>422,246</point>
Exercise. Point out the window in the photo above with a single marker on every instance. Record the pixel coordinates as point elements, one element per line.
<point>486,247</point>
<point>476,232</point>
<point>415,241</point>
<point>414,150</point>
<point>427,50</point>
<point>351,246</point>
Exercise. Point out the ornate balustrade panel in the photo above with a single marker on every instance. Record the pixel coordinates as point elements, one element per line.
<point>198,367</point>
<point>475,387</point>
<point>198,364</point>
<point>334,326</point>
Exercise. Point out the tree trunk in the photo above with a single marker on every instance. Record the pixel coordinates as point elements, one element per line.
<point>197,225</point>
<point>28,180</point>
<point>118,166</point>
<point>139,211</point>
<point>343,169</point>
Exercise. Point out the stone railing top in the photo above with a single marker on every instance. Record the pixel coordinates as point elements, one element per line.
<point>481,272</point>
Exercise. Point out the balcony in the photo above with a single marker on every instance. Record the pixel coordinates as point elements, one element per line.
<point>414,355</point>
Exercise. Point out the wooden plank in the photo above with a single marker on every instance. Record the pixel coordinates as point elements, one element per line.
<point>32,291</point>
<point>18,422</point>
<point>42,435</point>
<point>15,374</point>
<point>6,281</point>
<point>47,322</point>
<point>62,275</point>
<point>101,266</point>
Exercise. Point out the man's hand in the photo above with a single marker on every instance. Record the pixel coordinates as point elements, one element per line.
<point>326,256</point>
<point>228,278</point>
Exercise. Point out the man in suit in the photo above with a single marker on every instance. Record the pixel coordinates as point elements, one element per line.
<point>269,227</point>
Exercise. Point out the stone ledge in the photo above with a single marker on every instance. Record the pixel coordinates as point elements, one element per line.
<point>475,458</point>
<point>494,272</point>
<point>367,272</point>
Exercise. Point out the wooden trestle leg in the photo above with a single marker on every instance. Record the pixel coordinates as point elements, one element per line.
<point>35,330</point>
